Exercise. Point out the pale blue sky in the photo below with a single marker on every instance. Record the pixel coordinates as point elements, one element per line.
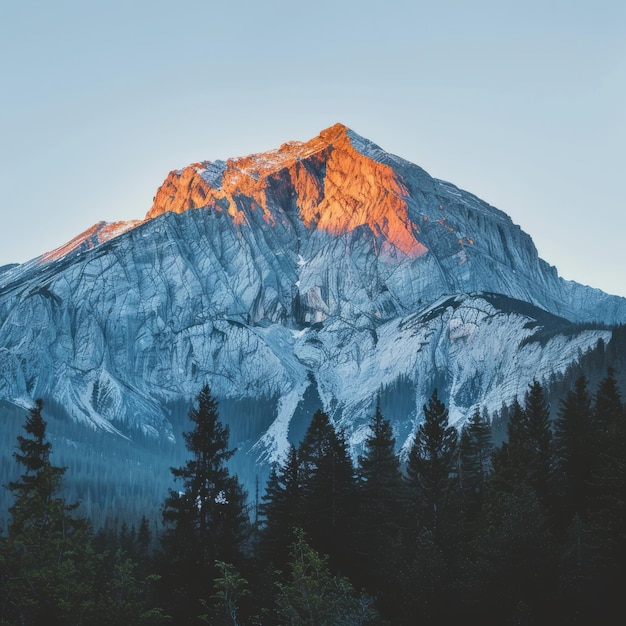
<point>521,103</point>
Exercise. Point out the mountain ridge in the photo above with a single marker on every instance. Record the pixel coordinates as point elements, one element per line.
<point>391,222</point>
<point>327,268</point>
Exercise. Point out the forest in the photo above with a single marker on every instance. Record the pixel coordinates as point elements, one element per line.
<point>529,531</point>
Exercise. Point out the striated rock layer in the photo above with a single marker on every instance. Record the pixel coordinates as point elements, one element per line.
<point>322,273</point>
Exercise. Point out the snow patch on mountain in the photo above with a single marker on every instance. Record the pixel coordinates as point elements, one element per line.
<point>328,265</point>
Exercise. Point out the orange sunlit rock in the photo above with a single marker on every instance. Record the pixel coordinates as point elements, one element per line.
<point>93,236</point>
<point>336,189</point>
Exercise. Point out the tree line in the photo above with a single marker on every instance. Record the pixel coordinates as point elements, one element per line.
<point>529,531</point>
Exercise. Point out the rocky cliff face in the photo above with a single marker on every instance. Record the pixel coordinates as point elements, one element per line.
<point>326,270</point>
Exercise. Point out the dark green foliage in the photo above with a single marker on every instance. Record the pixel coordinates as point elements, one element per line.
<point>379,468</point>
<point>328,490</point>
<point>608,412</point>
<point>50,569</point>
<point>538,441</point>
<point>45,553</point>
<point>575,458</point>
<point>527,457</point>
<point>281,510</point>
<point>510,559</point>
<point>608,498</point>
<point>378,526</point>
<point>431,464</point>
<point>230,588</point>
<point>475,463</point>
<point>534,533</point>
<point>312,596</point>
<point>206,520</point>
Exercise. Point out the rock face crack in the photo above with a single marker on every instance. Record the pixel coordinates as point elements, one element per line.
<point>324,272</point>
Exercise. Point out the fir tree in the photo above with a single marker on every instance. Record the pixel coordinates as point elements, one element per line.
<point>144,538</point>
<point>328,490</point>
<point>378,524</point>
<point>538,441</point>
<point>46,554</point>
<point>206,520</point>
<point>475,452</point>
<point>281,510</point>
<point>431,463</point>
<point>574,451</point>
<point>527,457</point>
<point>379,467</point>
<point>608,412</point>
<point>608,518</point>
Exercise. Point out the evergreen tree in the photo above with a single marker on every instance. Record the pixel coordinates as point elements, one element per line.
<point>47,560</point>
<point>378,524</point>
<point>431,463</point>
<point>538,441</point>
<point>328,491</point>
<point>379,467</point>
<point>608,517</point>
<point>574,451</point>
<point>608,413</point>
<point>37,505</point>
<point>281,510</point>
<point>516,434</point>
<point>514,564</point>
<point>122,596</point>
<point>206,520</point>
<point>511,563</point>
<point>527,456</point>
<point>475,463</point>
<point>144,538</point>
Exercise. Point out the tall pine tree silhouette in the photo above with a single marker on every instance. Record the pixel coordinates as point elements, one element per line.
<point>328,490</point>
<point>206,520</point>
<point>46,551</point>
<point>475,451</point>
<point>431,463</point>
<point>574,451</point>
<point>378,526</point>
<point>609,484</point>
<point>281,510</point>
<point>538,441</point>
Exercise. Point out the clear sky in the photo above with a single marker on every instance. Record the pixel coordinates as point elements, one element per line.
<point>522,103</point>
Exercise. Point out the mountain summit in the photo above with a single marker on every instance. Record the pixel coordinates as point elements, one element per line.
<point>321,274</point>
<point>335,187</point>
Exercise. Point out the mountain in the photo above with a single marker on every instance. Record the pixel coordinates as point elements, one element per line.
<point>322,273</point>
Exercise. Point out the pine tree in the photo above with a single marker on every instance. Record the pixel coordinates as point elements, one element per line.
<point>328,490</point>
<point>379,467</point>
<point>431,463</point>
<point>144,538</point>
<point>511,561</point>
<point>46,554</point>
<point>527,458</point>
<point>538,441</point>
<point>475,451</point>
<point>513,551</point>
<point>206,520</point>
<point>608,518</point>
<point>575,461</point>
<point>281,510</point>
<point>608,412</point>
<point>378,525</point>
